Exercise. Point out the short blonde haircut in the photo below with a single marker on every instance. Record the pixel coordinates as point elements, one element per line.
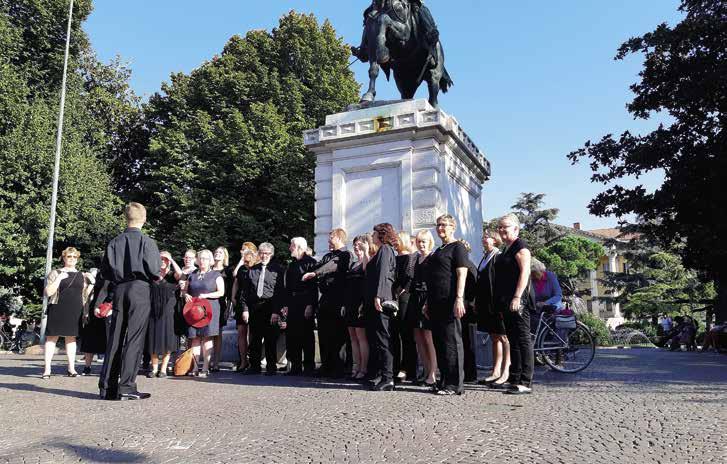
<point>135,213</point>
<point>70,251</point>
<point>206,253</point>
<point>512,217</point>
<point>426,235</point>
<point>249,246</point>
<point>340,234</point>
<point>447,218</point>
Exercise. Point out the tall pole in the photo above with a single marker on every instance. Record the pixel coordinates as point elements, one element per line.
<point>56,173</point>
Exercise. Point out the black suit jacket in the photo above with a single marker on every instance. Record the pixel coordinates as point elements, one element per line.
<point>274,286</point>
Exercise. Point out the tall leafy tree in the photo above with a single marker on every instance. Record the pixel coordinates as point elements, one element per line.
<point>683,76</point>
<point>536,222</point>
<point>226,160</point>
<point>32,39</point>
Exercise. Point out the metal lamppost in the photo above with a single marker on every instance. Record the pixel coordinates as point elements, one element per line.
<point>56,172</point>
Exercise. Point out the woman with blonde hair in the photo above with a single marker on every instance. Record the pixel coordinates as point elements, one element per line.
<point>208,284</point>
<point>222,265</point>
<point>402,336</point>
<point>414,317</point>
<point>67,290</point>
<point>248,258</point>
<point>355,286</point>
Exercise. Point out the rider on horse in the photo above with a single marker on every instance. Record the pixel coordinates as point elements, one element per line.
<point>427,31</point>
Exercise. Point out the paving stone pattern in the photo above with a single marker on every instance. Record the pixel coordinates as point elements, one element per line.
<point>630,406</point>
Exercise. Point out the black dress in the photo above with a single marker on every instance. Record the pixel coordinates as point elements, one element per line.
<point>93,334</point>
<point>64,317</point>
<point>488,320</point>
<point>160,336</point>
<point>354,296</point>
<point>229,278</point>
<point>414,318</point>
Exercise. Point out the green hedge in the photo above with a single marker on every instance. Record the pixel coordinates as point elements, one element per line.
<point>598,328</point>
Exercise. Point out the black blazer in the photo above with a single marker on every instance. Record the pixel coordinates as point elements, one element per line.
<point>380,276</point>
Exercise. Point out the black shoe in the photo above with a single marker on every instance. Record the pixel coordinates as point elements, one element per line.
<point>372,381</point>
<point>519,390</point>
<point>71,374</point>
<point>252,371</point>
<point>108,396</point>
<point>134,396</point>
<point>214,369</point>
<point>500,386</point>
<point>384,385</point>
<point>86,371</point>
<point>161,375</point>
<point>151,374</point>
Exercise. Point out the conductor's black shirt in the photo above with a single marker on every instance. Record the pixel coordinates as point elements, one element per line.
<point>131,256</point>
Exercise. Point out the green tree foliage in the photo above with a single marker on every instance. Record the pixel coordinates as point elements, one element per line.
<point>226,160</point>
<point>571,258</point>
<point>535,223</point>
<point>657,282</point>
<point>32,39</point>
<point>683,76</point>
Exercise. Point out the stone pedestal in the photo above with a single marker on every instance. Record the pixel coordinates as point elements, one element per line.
<point>404,163</point>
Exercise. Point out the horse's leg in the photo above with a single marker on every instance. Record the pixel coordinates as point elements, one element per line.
<point>382,51</point>
<point>373,74</point>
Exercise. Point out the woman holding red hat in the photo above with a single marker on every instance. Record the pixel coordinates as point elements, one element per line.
<point>207,284</point>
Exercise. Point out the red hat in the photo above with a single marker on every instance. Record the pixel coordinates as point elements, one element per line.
<point>104,309</point>
<point>197,312</point>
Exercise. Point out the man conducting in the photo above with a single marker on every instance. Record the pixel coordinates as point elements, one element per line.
<point>130,264</point>
<point>330,272</point>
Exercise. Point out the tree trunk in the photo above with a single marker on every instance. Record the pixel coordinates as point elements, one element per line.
<point>720,307</point>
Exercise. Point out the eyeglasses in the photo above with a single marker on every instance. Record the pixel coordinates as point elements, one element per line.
<point>444,224</point>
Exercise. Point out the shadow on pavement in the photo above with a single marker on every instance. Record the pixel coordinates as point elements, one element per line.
<point>52,391</point>
<point>95,454</point>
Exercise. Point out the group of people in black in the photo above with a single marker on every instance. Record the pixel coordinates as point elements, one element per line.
<point>392,304</point>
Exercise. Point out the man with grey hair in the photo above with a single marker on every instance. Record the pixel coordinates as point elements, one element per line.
<point>299,303</point>
<point>261,295</point>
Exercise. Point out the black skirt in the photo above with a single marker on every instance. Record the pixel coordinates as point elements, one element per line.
<point>93,335</point>
<point>64,317</point>
<point>491,322</point>
<point>160,336</point>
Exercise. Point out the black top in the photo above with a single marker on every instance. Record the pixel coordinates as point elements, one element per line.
<point>380,275</point>
<point>298,292</point>
<point>273,286</point>
<point>507,272</point>
<point>331,271</point>
<point>131,256</point>
<point>442,272</point>
<point>405,271</point>
<point>470,288</point>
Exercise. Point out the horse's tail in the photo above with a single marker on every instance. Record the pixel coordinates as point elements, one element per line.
<point>446,81</point>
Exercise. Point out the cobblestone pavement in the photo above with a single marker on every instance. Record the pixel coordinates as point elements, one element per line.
<point>630,406</point>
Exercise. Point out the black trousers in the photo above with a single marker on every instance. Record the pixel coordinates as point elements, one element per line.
<point>447,337</point>
<point>129,320</point>
<point>332,335</point>
<point>404,346</point>
<point>470,363</point>
<point>522,358</point>
<point>300,340</point>
<point>261,330</point>
<point>381,357</point>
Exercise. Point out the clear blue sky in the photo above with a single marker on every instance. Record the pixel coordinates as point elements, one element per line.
<point>533,79</point>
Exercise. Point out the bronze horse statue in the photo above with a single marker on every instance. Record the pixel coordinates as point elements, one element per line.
<point>401,36</point>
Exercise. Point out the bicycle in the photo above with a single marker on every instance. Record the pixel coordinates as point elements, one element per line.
<point>16,336</point>
<point>567,349</point>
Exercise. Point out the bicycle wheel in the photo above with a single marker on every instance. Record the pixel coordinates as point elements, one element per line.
<point>566,350</point>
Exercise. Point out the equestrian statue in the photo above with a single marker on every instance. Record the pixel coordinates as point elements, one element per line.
<point>401,36</point>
